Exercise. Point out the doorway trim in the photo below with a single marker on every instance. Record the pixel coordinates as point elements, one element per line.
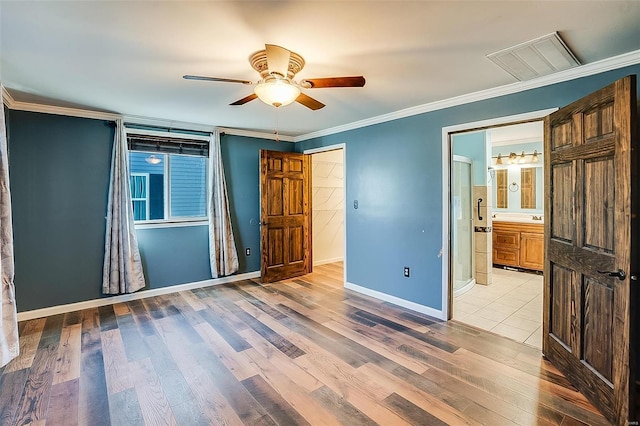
<point>446,184</point>
<point>342,146</point>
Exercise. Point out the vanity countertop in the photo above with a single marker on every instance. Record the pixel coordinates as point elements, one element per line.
<point>518,217</point>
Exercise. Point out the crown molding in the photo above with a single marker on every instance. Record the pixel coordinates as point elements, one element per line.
<point>608,64</point>
<point>58,110</point>
<point>253,134</point>
<point>7,99</point>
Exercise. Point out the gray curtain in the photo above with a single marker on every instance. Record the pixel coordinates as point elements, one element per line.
<point>9,343</point>
<point>222,247</point>
<point>122,271</point>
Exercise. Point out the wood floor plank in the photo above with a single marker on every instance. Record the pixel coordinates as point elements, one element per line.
<point>241,367</point>
<point>279,409</point>
<point>278,360</point>
<point>225,331</point>
<point>67,366</point>
<point>433,404</point>
<point>174,384</point>
<point>93,400</point>
<point>290,387</point>
<point>151,397</point>
<point>347,413</point>
<point>132,339</point>
<point>411,412</point>
<point>300,351</point>
<point>116,365</point>
<point>63,403</point>
<point>12,385</point>
<point>29,340</point>
<point>279,342</point>
<point>34,401</point>
<point>107,318</point>
<point>124,408</point>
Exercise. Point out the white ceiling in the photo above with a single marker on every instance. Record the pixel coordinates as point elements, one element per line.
<point>128,57</point>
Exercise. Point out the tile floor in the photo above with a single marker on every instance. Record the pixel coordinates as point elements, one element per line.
<point>511,306</point>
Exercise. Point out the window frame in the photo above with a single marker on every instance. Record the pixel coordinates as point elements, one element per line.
<point>170,222</point>
<point>146,191</point>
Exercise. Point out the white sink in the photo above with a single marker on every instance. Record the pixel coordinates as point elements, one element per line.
<point>518,217</point>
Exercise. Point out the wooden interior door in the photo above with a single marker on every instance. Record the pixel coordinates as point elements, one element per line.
<point>591,246</point>
<point>285,205</point>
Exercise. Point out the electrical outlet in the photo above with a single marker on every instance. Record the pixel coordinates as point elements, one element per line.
<point>406,271</point>
<point>247,251</point>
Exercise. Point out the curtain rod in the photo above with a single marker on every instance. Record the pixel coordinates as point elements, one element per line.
<point>167,129</point>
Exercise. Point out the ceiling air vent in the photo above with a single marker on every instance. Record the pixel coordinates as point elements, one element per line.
<point>535,58</point>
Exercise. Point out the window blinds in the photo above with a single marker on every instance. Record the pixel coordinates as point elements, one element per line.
<point>166,144</point>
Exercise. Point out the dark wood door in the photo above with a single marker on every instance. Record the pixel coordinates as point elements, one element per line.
<point>590,230</point>
<point>284,212</point>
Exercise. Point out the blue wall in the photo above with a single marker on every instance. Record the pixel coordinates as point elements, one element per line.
<point>473,146</point>
<point>394,170</point>
<point>59,170</point>
<point>59,175</point>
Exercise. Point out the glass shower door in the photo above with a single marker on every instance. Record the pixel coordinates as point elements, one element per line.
<point>462,225</point>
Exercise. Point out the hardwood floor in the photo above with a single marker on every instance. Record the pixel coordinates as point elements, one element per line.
<point>302,351</point>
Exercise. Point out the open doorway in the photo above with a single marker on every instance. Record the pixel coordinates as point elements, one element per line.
<point>328,213</point>
<point>499,294</point>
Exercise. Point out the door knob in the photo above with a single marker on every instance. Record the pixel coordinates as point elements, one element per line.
<point>264,223</point>
<point>619,273</point>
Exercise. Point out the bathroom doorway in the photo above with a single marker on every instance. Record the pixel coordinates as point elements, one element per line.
<point>506,298</point>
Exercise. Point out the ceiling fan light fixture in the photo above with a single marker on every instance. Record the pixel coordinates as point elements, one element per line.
<point>152,159</point>
<point>276,91</point>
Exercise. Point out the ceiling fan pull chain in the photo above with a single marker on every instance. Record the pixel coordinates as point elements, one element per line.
<point>276,130</point>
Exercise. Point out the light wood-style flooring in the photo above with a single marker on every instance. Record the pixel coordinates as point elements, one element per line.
<point>302,351</point>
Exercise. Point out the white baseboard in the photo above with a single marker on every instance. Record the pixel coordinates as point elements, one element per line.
<point>396,300</point>
<point>61,309</point>
<point>325,261</point>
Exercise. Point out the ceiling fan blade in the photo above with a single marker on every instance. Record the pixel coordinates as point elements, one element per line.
<point>309,102</point>
<point>245,99</point>
<point>317,83</point>
<point>277,59</point>
<point>223,80</point>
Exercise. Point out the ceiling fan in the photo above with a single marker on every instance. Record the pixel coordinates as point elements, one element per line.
<point>277,67</point>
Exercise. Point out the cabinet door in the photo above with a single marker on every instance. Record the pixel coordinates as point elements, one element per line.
<point>532,250</point>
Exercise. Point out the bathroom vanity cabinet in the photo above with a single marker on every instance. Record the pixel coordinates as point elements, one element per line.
<point>520,245</point>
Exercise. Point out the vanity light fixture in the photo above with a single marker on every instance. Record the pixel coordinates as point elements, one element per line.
<point>517,159</point>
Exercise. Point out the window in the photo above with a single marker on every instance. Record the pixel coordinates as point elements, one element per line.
<point>140,195</point>
<point>168,179</point>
